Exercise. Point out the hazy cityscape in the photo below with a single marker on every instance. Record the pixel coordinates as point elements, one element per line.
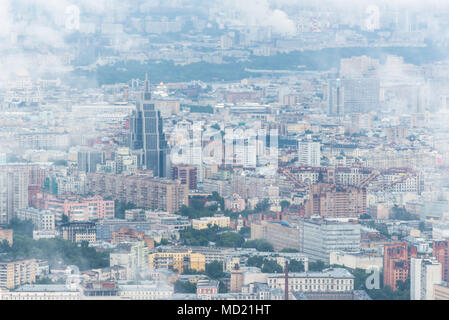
<point>224,150</point>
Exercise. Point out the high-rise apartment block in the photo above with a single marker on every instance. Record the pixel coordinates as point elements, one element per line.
<point>334,201</point>
<point>16,273</point>
<point>187,174</point>
<point>309,153</point>
<point>143,191</point>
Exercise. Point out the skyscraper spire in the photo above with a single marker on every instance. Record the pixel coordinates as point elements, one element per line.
<point>147,92</point>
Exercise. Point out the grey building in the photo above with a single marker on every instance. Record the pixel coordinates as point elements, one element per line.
<point>88,160</point>
<point>147,136</point>
<point>321,237</point>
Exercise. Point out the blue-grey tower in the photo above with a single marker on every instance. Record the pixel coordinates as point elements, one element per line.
<point>147,135</point>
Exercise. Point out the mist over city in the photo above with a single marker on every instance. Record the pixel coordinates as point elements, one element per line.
<point>252,150</point>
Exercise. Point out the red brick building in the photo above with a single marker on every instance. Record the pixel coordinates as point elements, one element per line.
<point>397,263</point>
<point>441,252</point>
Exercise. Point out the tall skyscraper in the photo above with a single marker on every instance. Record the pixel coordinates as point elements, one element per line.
<point>336,98</point>
<point>361,95</point>
<point>147,135</point>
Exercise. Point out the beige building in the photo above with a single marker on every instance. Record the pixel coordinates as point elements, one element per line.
<point>355,260</point>
<point>42,219</point>
<point>441,291</point>
<point>206,222</point>
<point>179,260</point>
<point>6,234</point>
<point>330,280</point>
<point>141,190</point>
<point>235,203</point>
<point>16,273</point>
<point>237,278</point>
<point>281,236</point>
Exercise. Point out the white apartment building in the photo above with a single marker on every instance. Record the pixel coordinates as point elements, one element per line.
<point>424,274</point>
<point>330,280</point>
<point>42,219</point>
<point>356,260</point>
<point>309,153</point>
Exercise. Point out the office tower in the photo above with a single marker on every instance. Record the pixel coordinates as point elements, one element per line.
<point>424,274</point>
<point>187,174</point>
<point>361,95</point>
<point>336,98</point>
<point>88,160</point>
<point>14,182</point>
<point>441,253</point>
<point>147,135</point>
<point>309,153</point>
<point>397,263</point>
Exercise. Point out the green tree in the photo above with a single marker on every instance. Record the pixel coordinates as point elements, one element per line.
<point>295,266</point>
<point>20,227</point>
<point>262,206</point>
<point>255,261</point>
<point>214,270</point>
<point>245,232</point>
<point>284,204</point>
<point>289,250</point>
<point>259,245</point>
<point>271,266</point>
<point>318,265</point>
<point>230,240</point>
<point>184,287</point>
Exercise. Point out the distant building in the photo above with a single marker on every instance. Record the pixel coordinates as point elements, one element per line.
<point>397,263</point>
<point>206,222</point>
<point>321,237</point>
<point>441,291</point>
<point>88,160</point>
<point>309,153</point>
<point>128,234</point>
<point>424,274</point>
<point>79,231</point>
<point>147,135</point>
<point>16,273</point>
<point>130,255</point>
<point>441,253</point>
<point>329,280</point>
<point>235,203</point>
<point>180,260</point>
<point>336,98</point>
<point>333,201</point>
<point>141,190</point>
<point>356,260</point>
<point>361,95</point>
<point>280,235</point>
<point>42,219</point>
<point>187,174</point>
<point>206,289</point>
<point>6,234</point>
